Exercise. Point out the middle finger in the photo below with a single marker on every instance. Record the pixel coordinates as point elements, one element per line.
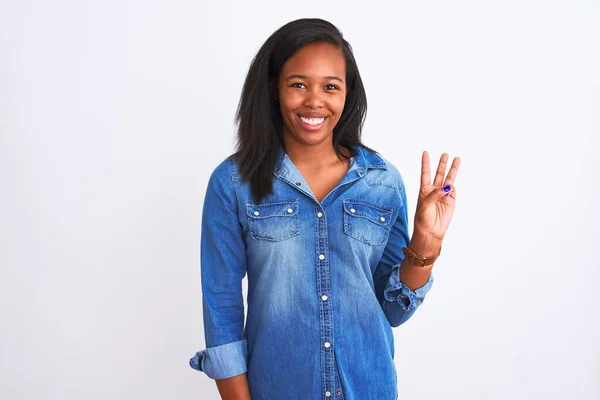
<point>441,170</point>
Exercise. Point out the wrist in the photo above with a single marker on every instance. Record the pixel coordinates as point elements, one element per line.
<point>425,245</point>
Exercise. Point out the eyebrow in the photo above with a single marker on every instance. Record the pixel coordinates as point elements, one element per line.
<point>296,76</point>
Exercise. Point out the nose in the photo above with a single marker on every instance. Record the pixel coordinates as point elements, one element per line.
<point>313,98</point>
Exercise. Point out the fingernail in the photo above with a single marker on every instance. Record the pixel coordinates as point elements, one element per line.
<point>447,188</point>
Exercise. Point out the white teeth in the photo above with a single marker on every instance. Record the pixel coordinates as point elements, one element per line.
<point>313,121</point>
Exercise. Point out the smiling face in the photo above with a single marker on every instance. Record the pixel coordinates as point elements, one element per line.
<point>312,93</point>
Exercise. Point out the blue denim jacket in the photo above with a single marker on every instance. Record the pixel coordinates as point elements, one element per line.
<point>323,282</point>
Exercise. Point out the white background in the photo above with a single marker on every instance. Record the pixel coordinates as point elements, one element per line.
<point>114,113</point>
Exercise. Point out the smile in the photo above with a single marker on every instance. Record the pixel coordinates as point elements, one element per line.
<point>312,124</point>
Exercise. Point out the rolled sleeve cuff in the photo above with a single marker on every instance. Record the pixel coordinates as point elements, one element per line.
<point>222,361</point>
<point>408,299</point>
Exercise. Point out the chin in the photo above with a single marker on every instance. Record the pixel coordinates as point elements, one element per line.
<point>307,138</point>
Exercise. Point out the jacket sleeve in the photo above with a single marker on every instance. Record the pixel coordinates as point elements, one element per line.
<point>223,266</point>
<point>399,302</point>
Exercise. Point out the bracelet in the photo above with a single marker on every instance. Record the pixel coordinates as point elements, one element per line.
<point>417,259</point>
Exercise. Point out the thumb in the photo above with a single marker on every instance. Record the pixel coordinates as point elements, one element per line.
<point>438,193</point>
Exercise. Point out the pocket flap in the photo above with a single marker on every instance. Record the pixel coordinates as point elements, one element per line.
<point>280,209</point>
<point>374,213</point>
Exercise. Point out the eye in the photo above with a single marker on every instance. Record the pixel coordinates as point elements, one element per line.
<point>297,84</point>
<point>331,87</point>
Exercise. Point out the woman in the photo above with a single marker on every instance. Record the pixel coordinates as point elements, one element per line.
<point>319,223</point>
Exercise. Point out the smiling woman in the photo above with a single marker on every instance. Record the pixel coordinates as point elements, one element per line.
<point>319,223</point>
<point>304,69</point>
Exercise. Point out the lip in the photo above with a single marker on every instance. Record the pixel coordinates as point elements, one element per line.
<point>309,127</point>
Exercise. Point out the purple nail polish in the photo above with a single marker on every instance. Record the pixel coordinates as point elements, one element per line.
<point>447,188</point>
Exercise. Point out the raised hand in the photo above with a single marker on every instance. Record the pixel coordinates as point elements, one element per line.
<point>435,206</point>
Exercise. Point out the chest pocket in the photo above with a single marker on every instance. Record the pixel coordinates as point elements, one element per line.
<point>273,221</point>
<point>367,222</point>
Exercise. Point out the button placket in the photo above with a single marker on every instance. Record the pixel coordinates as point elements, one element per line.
<point>326,318</point>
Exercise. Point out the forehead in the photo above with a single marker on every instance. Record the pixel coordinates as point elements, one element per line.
<point>316,59</point>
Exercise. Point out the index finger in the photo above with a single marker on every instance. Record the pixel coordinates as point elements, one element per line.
<point>425,171</point>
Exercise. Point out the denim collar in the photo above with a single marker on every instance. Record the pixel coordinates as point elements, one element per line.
<point>360,163</point>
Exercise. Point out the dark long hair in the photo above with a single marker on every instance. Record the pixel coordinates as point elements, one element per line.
<point>258,116</point>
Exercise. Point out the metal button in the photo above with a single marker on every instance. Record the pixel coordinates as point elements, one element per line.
<point>321,256</point>
<point>352,210</point>
<point>289,210</point>
<point>319,214</point>
<point>338,392</point>
<point>328,393</point>
<point>382,219</point>
<point>324,297</point>
<point>298,183</point>
<point>256,213</point>
<point>327,345</point>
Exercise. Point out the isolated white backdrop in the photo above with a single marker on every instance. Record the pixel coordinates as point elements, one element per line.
<point>114,113</point>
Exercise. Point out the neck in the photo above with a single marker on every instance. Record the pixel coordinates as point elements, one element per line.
<point>313,156</point>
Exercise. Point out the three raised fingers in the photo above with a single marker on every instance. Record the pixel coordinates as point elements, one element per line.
<point>440,171</point>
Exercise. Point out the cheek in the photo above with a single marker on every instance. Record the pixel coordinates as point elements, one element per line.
<point>290,99</point>
<point>286,105</point>
<point>339,105</point>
